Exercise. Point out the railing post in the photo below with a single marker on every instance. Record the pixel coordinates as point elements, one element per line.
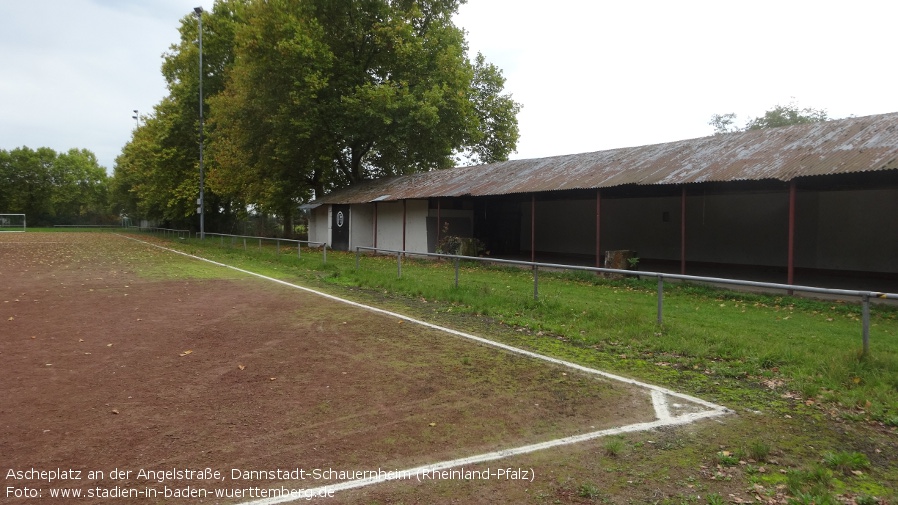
<point>278,241</point>
<point>244,243</point>
<point>866,322</point>
<point>399,264</point>
<point>660,298</point>
<point>260,245</point>
<point>536,282</point>
<point>456,271</point>
<point>298,249</point>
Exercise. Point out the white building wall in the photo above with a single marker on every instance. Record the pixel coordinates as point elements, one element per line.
<point>390,225</point>
<point>416,226</point>
<point>319,224</point>
<point>361,225</point>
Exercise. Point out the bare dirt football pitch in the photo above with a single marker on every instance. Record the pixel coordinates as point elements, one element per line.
<point>131,374</point>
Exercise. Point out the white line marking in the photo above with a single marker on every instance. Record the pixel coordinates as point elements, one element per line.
<point>659,401</point>
<point>658,394</point>
<point>491,456</point>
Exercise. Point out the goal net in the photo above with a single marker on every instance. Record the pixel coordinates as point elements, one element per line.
<point>12,222</point>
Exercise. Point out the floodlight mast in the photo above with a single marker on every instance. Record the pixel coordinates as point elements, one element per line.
<point>201,201</point>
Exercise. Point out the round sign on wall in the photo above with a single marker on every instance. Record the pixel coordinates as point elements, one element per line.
<point>339,219</point>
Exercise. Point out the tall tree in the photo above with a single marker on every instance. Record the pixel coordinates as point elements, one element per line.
<point>7,186</point>
<point>53,188</point>
<point>157,174</point>
<point>785,115</point>
<point>31,183</point>
<point>327,93</point>
<point>81,186</point>
<point>304,96</point>
<point>497,133</point>
<point>262,133</point>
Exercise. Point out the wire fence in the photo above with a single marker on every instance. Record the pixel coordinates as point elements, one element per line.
<point>165,232</point>
<point>233,241</point>
<point>864,296</point>
<point>87,226</point>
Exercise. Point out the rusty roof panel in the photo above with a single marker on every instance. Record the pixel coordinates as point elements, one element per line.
<point>841,146</point>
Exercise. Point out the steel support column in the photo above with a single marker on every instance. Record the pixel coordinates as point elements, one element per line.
<point>533,227</point>
<point>790,262</point>
<point>598,228</point>
<point>683,231</point>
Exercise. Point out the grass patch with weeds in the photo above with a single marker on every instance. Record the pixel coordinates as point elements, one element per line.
<point>846,461</point>
<point>614,446</point>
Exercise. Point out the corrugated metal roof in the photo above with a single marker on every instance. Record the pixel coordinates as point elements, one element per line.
<point>833,147</point>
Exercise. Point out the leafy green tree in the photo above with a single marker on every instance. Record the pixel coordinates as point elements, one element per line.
<point>724,123</point>
<point>304,96</point>
<point>30,182</point>
<point>52,188</point>
<point>785,115</point>
<point>157,174</point>
<point>7,172</point>
<point>325,93</point>
<point>780,115</point>
<point>261,122</point>
<point>153,176</point>
<point>81,186</point>
<point>497,133</point>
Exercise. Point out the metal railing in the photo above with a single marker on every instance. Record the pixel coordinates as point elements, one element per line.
<point>185,234</point>
<point>87,226</point>
<point>233,242</point>
<point>865,296</point>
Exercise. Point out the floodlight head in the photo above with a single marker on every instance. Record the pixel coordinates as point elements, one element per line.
<point>198,10</point>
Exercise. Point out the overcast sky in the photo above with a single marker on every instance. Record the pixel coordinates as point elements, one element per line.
<point>591,75</point>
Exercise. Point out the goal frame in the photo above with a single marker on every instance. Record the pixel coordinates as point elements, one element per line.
<point>7,227</point>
